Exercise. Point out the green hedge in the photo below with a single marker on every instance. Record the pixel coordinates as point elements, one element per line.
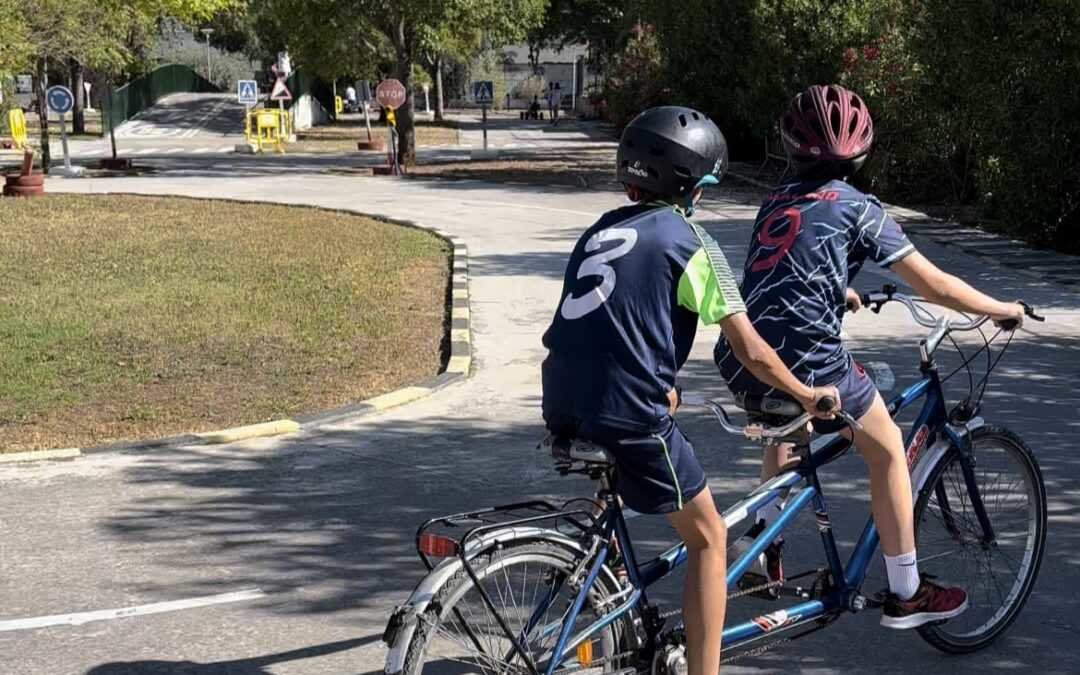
<point>974,102</point>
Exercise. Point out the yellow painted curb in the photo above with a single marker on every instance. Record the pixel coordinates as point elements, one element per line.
<point>459,364</point>
<point>274,428</point>
<point>38,455</point>
<point>399,397</point>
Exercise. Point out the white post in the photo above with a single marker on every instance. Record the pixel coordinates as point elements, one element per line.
<point>573,87</point>
<point>206,33</point>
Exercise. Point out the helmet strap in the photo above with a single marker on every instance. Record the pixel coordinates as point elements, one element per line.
<point>688,206</point>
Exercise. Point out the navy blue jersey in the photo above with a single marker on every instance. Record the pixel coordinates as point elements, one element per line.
<point>810,240</point>
<point>635,287</point>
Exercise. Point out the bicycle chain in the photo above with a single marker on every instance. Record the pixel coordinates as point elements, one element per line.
<point>731,596</point>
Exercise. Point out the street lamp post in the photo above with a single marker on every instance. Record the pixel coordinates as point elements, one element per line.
<point>206,33</point>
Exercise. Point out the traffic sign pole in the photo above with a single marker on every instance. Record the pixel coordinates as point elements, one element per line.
<point>483,108</point>
<point>64,143</point>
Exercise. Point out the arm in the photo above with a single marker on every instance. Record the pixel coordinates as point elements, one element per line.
<point>760,359</point>
<point>946,290</point>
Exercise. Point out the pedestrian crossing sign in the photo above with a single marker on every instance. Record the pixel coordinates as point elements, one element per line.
<point>483,91</point>
<point>247,92</point>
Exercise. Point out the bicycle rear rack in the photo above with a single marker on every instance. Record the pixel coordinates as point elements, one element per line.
<point>432,537</point>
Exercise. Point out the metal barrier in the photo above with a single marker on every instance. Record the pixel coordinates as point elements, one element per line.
<point>17,124</point>
<point>269,126</point>
<point>774,150</point>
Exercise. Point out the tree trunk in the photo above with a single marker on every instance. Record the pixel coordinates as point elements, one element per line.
<point>78,115</point>
<point>405,118</point>
<point>42,84</point>
<point>438,89</point>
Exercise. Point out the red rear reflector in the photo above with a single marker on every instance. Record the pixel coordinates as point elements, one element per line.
<point>437,546</point>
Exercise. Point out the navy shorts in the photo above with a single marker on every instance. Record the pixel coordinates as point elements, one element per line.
<point>857,392</point>
<point>654,473</point>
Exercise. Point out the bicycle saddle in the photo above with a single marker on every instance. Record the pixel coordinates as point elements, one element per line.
<point>565,450</point>
<point>772,406</point>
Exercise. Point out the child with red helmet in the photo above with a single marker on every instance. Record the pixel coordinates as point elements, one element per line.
<point>811,237</point>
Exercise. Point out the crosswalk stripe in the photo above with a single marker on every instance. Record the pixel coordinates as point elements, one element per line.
<point>172,151</point>
<point>200,151</point>
<point>225,148</point>
<point>145,151</point>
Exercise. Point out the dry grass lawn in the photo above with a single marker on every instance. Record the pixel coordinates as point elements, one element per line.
<point>343,136</point>
<point>138,317</point>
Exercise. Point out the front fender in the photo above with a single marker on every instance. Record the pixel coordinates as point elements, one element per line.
<point>403,621</point>
<point>929,459</point>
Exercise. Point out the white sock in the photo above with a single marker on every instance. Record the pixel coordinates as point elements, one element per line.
<point>770,512</point>
<point>903,571</point>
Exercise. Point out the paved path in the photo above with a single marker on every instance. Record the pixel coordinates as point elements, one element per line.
<point>321,523</point>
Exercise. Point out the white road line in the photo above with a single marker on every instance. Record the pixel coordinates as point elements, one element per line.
<point>225,148</point>
<point>172,151</point>
<point>124,612</point>
<point>145,151</point>
<point>200,151</point>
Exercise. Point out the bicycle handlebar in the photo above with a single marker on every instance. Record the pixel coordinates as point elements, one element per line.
<point>758,432</point>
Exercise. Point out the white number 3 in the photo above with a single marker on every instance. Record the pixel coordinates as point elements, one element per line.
<point>597,266</point>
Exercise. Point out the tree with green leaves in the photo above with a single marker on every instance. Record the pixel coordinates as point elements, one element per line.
<point>94,33</point>
<point>325,34</point>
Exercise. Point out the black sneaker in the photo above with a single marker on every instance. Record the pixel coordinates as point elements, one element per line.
<point>929,604</point>
<point>768,569</point>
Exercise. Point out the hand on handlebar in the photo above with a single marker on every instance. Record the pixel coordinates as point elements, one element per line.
<point>1012,318</point>
<point>823,402</point>
<point>852,300</point>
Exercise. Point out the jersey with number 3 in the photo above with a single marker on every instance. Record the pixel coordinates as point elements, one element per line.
<point>810,240</point>
<point>635,287</point>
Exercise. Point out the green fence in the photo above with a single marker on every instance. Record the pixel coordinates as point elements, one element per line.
<point>300,83</point>
<point>141,93</point>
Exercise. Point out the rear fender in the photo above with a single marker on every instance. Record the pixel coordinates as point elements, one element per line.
<point>403,622</point>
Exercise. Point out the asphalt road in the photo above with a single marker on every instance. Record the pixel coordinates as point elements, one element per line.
<point>303,543</point>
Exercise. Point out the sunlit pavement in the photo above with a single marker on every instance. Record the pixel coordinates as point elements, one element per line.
<point>321,523</point>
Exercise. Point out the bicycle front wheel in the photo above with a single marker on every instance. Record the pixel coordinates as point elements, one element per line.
<point>532,586</point>
<point>997,571</point>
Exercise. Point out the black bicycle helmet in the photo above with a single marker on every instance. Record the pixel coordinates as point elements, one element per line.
<point>667,150</point>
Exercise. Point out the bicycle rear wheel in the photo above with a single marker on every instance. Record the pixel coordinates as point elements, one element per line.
<point>998,575</point>
<point>459,636</point>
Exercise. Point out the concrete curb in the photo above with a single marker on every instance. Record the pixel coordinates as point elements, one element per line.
<point>458,365</point>
<point>991,248</point>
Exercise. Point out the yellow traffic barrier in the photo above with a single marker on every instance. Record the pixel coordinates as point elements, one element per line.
<point>268,129</point>
<point>339,105</point>
<point>17,124</point>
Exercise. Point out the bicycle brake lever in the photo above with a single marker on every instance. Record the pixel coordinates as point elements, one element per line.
<point>1030,311</point>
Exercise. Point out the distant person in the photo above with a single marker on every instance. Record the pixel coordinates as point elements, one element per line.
<point>350,98</point>
<point>534,108</point>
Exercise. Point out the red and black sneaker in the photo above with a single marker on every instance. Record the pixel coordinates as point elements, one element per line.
<point>929,604</point>
<point>767,573</point>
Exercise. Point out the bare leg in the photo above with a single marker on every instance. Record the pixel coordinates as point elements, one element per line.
<point>705,590</point>
<point>882,448</point>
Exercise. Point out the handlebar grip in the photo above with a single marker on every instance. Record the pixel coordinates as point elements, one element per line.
<point>1008,325</point>
<point>826,404</point>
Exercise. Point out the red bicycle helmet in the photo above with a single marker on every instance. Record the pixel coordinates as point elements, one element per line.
<point>827,124</point>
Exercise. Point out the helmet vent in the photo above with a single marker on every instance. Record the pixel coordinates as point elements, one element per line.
<point>682,120</point>
<point>695,116</point>
<point>681,171</point>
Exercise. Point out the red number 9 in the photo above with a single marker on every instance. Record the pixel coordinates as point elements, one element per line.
<point>782,242</point>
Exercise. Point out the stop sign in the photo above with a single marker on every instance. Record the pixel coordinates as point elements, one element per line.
<point>390,94</point>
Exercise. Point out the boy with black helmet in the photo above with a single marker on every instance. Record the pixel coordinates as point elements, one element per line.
<point>813,234</point>
<point>636,285</point>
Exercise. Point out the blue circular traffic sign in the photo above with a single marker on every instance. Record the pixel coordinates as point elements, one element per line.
<point>60,99</point>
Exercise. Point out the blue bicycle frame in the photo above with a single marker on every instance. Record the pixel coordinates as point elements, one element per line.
<point>846,580</point>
